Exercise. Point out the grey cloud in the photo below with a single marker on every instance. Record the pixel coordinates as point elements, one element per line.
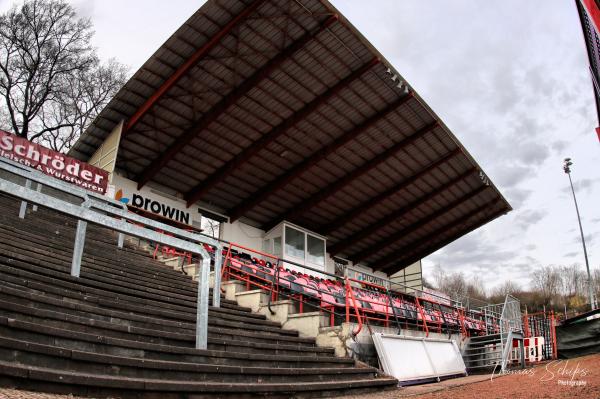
<point>86,8</point>
<point>510,176</point>
<point>528,218</point>
<point>517,196</point>
<point>560,145</point>
<point>583,185</point>
<point>473,249</point>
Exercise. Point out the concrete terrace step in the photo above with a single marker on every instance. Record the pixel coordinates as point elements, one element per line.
<point>53,222</point>
<point>14,301</point>
<point>70,287</point>
<point>34,354</point>
<point>34,267</point>
<point>126,327</point>
<point>68,339</point>
<point>91,323</point>
<point>109,256</point>
<point>101,272</point>
<point>137,387</point>
<point>78,301</point>
<point>253,328</point>
<point>66,227</point>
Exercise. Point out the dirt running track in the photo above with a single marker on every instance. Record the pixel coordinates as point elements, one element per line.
<point>576,378</point>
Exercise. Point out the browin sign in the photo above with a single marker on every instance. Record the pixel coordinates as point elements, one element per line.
<point>53,163</point>
<point>149,201</point>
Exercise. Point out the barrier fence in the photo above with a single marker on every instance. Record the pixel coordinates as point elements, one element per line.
<point>87,207</point>
<point>347,298</point>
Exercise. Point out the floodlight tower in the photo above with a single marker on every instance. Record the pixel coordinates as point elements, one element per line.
<point>567,168</point>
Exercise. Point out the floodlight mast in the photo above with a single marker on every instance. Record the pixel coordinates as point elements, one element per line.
<point>567,168</point>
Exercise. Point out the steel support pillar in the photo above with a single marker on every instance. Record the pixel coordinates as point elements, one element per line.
<point>78,248</point>
<point>23,208</point>
<point>38,188</point>
<point>202,302</point>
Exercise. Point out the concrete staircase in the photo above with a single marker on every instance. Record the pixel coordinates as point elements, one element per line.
<point>125,328</point>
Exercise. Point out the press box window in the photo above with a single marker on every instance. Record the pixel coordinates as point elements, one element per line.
<point>294,242</point>
<point>315,250</point>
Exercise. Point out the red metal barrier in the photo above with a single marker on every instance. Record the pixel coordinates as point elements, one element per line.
<point>423,317</point>
<point>371,302</point>
<point>350,294</point>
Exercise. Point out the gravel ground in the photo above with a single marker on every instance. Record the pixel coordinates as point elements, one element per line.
<point>575,378</point>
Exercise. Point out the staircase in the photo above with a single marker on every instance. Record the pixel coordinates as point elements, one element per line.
<point>483,352</point>
<point>493,351</point>
<point>126,327</point>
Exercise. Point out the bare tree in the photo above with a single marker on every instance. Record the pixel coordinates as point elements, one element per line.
<point>211,227</point>
<point>507,288</point>
<point>547,281</point>
<point>52,84</point>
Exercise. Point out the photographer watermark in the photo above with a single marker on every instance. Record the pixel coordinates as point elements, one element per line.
<point>561,371</point>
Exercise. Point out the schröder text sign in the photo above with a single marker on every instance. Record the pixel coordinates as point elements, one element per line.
<point>53,163</point>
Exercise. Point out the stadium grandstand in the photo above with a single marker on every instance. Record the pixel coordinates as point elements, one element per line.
<point>329,179</point>
<point>589,15</point>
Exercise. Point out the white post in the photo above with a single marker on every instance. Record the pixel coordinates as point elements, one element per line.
<point>78,248</point>
<point>23,208</point>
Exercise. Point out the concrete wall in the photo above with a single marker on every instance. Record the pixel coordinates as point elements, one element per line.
<point>242,234</point>
<point>410,277</point>
<point>106,155</point>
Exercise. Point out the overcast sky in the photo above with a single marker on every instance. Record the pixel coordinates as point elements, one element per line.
<point>510,78</point>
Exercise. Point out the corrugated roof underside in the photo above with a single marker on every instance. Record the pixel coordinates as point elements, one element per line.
<point>307,75</point>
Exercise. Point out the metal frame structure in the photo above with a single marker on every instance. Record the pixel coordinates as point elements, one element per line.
<point>88,207</point>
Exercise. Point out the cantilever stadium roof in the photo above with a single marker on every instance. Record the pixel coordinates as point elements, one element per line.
<point>268,110</point>
<point>592,42</point>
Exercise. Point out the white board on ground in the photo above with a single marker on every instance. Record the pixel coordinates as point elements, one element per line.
<point>418,358</point>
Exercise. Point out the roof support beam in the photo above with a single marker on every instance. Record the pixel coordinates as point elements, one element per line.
<point>400,234</point>
<point>365,206</point>
<point>219,175</point>
<point>231,98</point>
<point>355,174</point>
<point>398,214</point>
<point>190,63</point>
<point>265,192</point>
<point>388,260</point>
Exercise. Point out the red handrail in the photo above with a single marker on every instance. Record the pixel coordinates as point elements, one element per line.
<point>225,265</point>
<point>422,316</point>
<point>362,310</point>
<point>461,320</point>
<point>350,293</point>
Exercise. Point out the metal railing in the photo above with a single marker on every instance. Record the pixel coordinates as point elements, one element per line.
<point>511,326</point>
<point>511,317</point>
<point>343,298</point>
<point>88,207</point>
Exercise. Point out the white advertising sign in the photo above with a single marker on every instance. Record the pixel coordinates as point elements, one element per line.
<point>149,200</point>
<point>418,358</point>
